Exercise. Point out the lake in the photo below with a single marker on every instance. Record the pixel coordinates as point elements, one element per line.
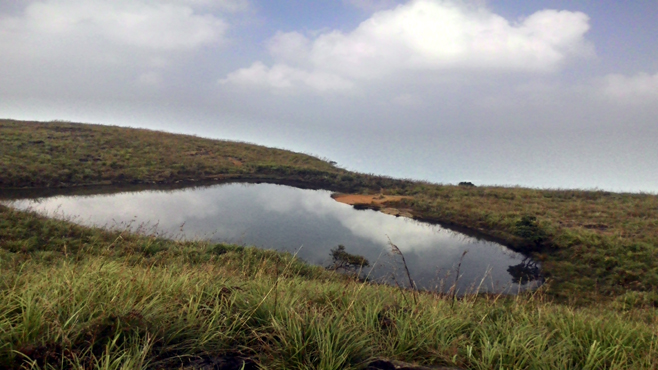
<point>308,223</point>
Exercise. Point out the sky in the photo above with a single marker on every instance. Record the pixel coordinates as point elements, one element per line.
<point>534,93</point>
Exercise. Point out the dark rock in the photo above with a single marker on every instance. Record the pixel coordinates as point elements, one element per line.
<point>467,183</point>
<point>381,365</point>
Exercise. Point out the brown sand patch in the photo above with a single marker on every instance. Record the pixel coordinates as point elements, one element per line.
<point>353,199</point>
<point>375,202</point>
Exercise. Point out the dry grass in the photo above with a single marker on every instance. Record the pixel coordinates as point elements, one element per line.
<point>56,154</point>
<point>595,242</point>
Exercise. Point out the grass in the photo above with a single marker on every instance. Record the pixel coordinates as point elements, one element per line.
<point>79,297</point>
<point>593,245</point>
<point>60,154</point>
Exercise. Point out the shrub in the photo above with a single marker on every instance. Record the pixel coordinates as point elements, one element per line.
<point>343,260</point>
<point>528,229</point>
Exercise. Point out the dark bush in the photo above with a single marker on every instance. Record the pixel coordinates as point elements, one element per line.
<point>528,229</point>
<point>343,260</point>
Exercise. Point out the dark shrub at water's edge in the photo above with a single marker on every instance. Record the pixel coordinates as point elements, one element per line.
<point>346,261</point>
<point>528,229</point>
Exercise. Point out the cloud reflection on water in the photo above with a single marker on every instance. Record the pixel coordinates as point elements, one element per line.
<point>287,218</point>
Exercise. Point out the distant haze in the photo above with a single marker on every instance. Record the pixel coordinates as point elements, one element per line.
<point>549,94</point>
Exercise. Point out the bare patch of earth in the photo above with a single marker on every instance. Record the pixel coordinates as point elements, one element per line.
<point>377,202</point>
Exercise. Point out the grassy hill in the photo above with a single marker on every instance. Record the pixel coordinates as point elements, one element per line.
<point>59,154</point>
<point>81,297</point>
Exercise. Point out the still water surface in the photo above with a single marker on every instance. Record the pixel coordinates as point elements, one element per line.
<point>306,222</point>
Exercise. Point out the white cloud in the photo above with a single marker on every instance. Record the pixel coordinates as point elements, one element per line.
<point>289,47</point>
<point>150,78</point>
<point>281,77</point>
<point>639,88</point>
<point>371,5</point>
<point>433,36</point>
<point>156,26</point>
<point>72,44</point>
<point>407,100</point>
<point>223,5</point>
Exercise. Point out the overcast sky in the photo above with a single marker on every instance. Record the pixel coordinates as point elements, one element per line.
<point>289,73</point>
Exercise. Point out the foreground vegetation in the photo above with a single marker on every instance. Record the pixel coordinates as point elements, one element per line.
<point>78,297</point>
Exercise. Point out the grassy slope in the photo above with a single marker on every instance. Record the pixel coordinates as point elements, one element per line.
<point>593,244</point>
<point>38,154</point>
<point>77,297</point>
